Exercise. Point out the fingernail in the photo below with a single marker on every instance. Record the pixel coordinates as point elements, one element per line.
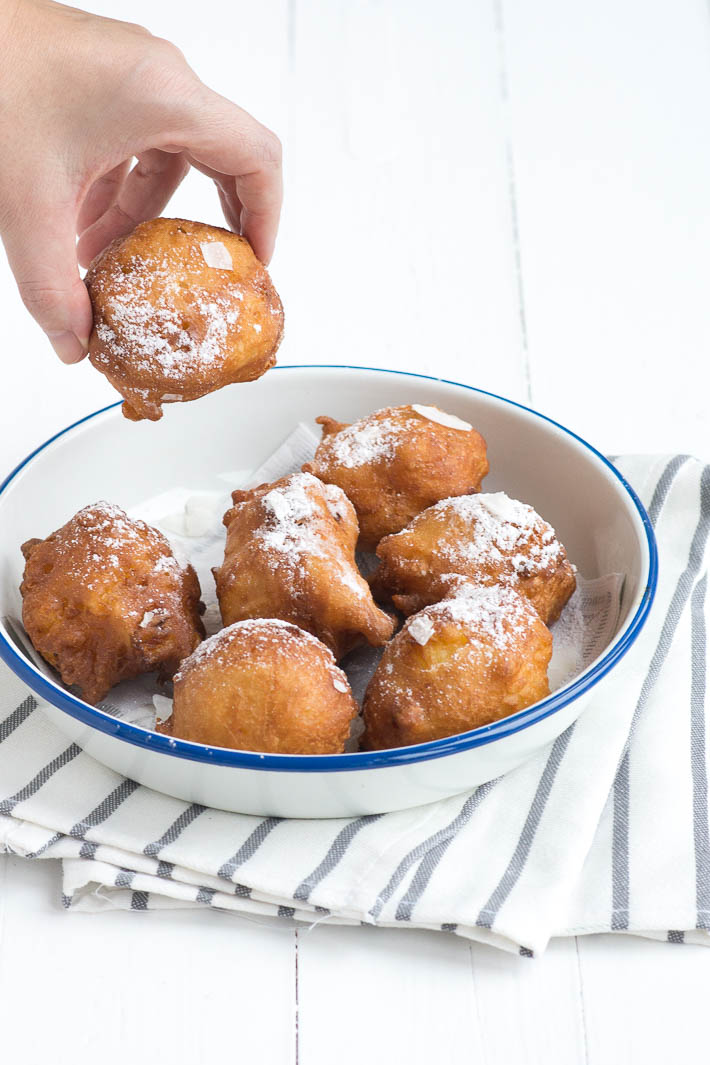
<point>68,346</point>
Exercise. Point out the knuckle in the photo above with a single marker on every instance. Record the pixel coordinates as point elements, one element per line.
<point>260,149</point>
<point>268,148</point>
<point>165,52</point>
<point>272,149</point>
<point>146,171</point>
<point>154,71</point>
<point>123,217</point>
<point>41,299</point>
<point>136,29</point>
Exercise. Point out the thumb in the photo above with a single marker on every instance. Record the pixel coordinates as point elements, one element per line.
<point>42,256</point>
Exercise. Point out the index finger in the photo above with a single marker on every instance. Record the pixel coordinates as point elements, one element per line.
<point>226,139</point>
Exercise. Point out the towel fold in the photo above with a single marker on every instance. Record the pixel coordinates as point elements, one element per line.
<point>604,830</point>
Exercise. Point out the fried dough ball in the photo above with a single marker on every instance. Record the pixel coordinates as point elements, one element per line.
<point>396,462</point>
<point>459,664</point>
<point>180,309</point>
<point>290,554</point>
<point>485,539</point>
<point>105,599</point>
<point>263,685</point>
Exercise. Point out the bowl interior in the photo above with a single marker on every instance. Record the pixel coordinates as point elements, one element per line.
<point>196,445</point>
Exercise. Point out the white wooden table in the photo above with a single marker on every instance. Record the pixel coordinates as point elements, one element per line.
<point>515,195</point>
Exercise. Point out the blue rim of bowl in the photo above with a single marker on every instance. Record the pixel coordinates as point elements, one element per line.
<point>302,763</point>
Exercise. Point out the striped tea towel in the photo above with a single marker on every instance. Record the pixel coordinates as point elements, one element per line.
<point>605,830</point>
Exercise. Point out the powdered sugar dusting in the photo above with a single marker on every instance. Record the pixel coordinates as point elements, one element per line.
<point>376,438</point>
<point>503,533</point>
<point>337,502</point>
<point>365,442</point>
<point>270,630</point>
<point>440,416</point>
<point>293,531</point>
<point>290,504</point>
<point>103,530</point>
<point>266,635</point>
<point>162,325</point>
<point>496,616</point>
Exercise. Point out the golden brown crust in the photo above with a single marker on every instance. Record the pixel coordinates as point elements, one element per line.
<point>104,599</point>
<point>457,665</point>
<point>170,327</point>
<point>483,539</point>
<point>263,685</point>
<point>290,554</point>
<point>396,462</point>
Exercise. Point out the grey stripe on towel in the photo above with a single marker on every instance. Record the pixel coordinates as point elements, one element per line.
<point>431,859</point>
<point>335,854</point>
<point>139,900</point>
<point>105,809</point>
<point>663,487</point>
<point>171,834</point>
<point>45,846</point>
<point>620,871</point>
<point>16,718</point>
<point>124,877</point>
<point>516,864</point>
<point>67,755</point>
<point>698,764</point>
<point>448,832</point>
<point>249,847</point>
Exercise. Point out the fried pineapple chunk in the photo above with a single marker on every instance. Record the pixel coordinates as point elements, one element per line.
<point>455,666</point>
<point>104,599</point>
<point>290,554</point>
<point>263,685</point>
<point>396,462</point>
<point>481,539</point>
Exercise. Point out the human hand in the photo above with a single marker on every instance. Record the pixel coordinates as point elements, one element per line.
<point>80,96</point>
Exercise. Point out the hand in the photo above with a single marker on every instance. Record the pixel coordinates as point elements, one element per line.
<point>80,96</point>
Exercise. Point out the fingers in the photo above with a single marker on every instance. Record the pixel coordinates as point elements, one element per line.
<point>261,209</point>
<point>230,209</point>
<point>143,195</point>
<point>101,195</point>
<point>41,250</point>
<point>226,140</point>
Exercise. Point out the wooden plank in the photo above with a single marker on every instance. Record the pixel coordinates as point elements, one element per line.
<point>396,247</point>
<point>385,995</point>
<point>529,1011</point>
<point>643,1001</point>
<point>180,985</point>
<point>608,106</point>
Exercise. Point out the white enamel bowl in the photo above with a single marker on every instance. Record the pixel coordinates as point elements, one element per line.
<point>596,514</point>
